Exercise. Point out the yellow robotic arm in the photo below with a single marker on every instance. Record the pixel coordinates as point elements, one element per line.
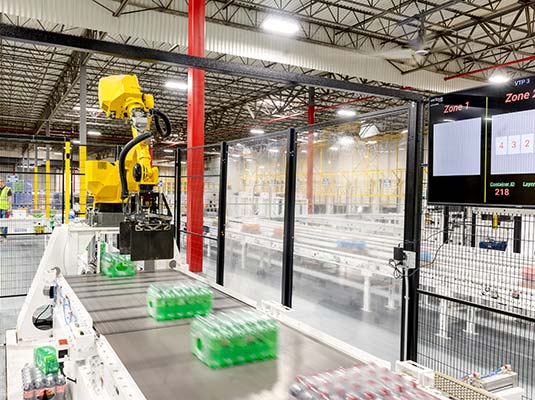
<point>125,188</point>
<point>120,97</point>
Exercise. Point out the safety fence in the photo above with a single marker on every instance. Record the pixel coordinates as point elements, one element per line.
<point>477,292</point>
<point>34,175</point>
<point>306,218</point>
<point>199,207</point>
<point>47,180</point>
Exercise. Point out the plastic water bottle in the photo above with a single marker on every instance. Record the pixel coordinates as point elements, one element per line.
<point>50,386</point>
<point>39,384</point>
<point>61,387</point>
<point>27,383</point>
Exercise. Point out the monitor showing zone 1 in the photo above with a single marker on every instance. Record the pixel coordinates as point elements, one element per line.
<point>482,146</point>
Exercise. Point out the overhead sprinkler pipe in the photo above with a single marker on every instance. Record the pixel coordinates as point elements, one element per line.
<point>497,66</point>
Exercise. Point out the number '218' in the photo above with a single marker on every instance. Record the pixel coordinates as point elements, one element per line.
<point>501,192</point>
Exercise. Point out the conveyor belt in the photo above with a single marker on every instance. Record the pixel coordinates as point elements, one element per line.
<point>158,356</point>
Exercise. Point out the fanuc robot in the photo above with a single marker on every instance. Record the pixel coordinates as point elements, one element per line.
<point>123,191</point>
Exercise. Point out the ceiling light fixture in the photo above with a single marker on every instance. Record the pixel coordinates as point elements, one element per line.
<point>280,25</point>
<point>499,78</point>
<point>368,130</point>
<point>88,109</point>
<point>334,148</point>
<point>346,113</point>
<point>256,131</point>
<point>421,52</point>
<point>168,150</point>
<point>272,102</point>
<point>346,140</point>
<point>176,85</point>
<point>94,132</point>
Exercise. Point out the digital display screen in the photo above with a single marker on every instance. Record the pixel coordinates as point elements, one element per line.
<point>454,144</point>
<point>481,146</point>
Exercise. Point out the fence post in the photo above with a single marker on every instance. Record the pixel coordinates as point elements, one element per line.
<point>178,195</point>
<point>222,214</point>
<point>289,220</point>
<point>412,231</point>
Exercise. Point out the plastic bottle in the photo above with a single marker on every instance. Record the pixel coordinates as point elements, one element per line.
<point>363,382</point>
<point>61,387</point>
<point>39,384</point>
<point>28,389</point>
<point>50,386</point>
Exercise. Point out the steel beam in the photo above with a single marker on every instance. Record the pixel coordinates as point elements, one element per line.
<point>120,9</point>
<point>39,37</point>
<point>195,139</point>
<point>9,137</point>
<point>310,152</point>
<point>61,90</point>
<point>358,117</point>
<point>82,148</point>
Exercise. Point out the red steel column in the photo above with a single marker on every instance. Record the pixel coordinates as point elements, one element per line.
<point>195,158</point>
<point>310,153</point>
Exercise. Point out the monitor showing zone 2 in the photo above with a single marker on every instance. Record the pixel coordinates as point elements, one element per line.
<point>482,146</point>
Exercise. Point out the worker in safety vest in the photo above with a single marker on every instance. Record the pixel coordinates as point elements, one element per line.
<point>6,202</point>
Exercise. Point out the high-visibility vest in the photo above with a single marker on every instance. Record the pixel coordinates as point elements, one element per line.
<point>4,203</point>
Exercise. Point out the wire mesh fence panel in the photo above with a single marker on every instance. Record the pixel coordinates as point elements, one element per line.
<point>482,256</point>
<point>199,201</point>
<point>19,258</point>
<point>255,212</point>
<point>460,340</point>
<point>477,285</point>
<point>32,186</point>
<point>349,216</point>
